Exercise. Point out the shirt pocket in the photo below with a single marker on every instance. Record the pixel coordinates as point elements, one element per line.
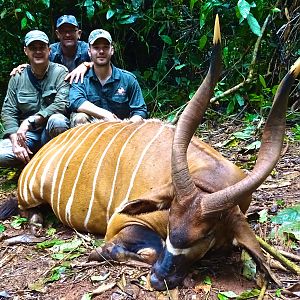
<point>48,97</point>
<point>120,106</point>
<point>119,99</point>
<point>28,102</point>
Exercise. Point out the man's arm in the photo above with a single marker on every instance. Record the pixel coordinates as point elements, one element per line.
<point>79,103</point>
<point>138,108</point>
<point>97,112</point>
<point>18,69</point>
<point>79,72</point>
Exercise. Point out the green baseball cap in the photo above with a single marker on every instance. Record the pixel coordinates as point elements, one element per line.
<point>99,34</point>
<point>36,35</point>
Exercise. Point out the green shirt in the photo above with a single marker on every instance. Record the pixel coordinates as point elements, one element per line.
<point>23,99</point>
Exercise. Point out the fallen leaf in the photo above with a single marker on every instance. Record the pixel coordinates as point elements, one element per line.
<point>103,288</point>
<point>203,287</point>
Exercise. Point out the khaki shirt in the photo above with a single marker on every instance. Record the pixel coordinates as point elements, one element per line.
<point>23,99</point>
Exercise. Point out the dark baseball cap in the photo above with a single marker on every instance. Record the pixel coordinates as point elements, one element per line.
<point>66,19</point>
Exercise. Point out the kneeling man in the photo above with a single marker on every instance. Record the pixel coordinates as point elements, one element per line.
<point>35,105</point>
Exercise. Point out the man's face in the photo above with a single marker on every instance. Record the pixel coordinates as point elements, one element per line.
<point>68,35</point>
<point>37,52</point>
<point>101,52</point>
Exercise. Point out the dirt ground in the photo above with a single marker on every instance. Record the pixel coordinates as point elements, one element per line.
<point>24,269</point>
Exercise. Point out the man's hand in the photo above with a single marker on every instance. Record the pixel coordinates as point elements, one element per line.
<point>18,69</point>
<point>78,73</point>
<point>136,118</point>
<point>19,147</point>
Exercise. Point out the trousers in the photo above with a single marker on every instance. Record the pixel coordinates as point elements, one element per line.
<point>35,139</point>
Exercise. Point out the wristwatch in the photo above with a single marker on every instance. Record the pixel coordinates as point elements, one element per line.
<point>32,123</point>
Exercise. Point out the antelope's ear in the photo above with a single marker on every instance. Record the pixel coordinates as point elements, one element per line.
<point>142,206</point>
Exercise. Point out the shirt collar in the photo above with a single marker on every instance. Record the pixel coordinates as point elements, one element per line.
<point>115,75</point>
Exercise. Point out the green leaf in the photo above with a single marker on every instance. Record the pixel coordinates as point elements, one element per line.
<point>244,8</point>
<point>202,41</point>
<point>276,10</point>
<point>229,294</point>
<point>2,228</point>
<point>278,293</point>
<point>290,228</point>
<point>180,67</point>
<point>88,3</point>
<point>254,26</point>
<point>290,214</point>
<point>18,10</point>
<point>207,280</point>
<point>222,297</point>
<point>253,146</point>
<point>51,231</point>
<point>87,296</point>
<point>263,216</point>
<point>23,23</point>
<point>239,99</point>
<point>262,81</point>
<point>90,11</point>
<point>249,266</point>
<point>18,221</point>
<point>56,273</point>
<point>166,39</point>
<point>248,294</point>
<point>128,20</point>
<point>30,16</point>
<point>110,13</point>
<point>46,2</point>
<point>49,244</point>
<point>192,3</point>
<point>137,3</point>
<point>3,13</point>
<point>230,107</point>
<point>68,246</point>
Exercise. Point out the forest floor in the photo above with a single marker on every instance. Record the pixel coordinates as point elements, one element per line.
<point>29,272</point>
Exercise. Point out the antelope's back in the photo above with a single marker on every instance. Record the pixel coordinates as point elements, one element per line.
<point>86,173</point>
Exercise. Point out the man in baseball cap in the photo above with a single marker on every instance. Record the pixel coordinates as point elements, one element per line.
<point>35,105</point>
<point>69,51</point>
<point>105,92</point>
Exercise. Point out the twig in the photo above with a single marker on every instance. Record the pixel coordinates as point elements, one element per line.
<point>290,255</point>
<point>275,253</point>
<point>263,290</point>
<point>251,68</point>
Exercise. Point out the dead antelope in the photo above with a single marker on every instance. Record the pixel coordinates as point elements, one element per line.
<point>143,184</point>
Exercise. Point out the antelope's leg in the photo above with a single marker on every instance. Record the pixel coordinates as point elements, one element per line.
<point>134,242</point>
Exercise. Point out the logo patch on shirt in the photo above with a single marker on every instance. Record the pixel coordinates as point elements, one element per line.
<point>121,91</point>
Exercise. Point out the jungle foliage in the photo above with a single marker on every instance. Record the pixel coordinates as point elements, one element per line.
<point>167,43</point>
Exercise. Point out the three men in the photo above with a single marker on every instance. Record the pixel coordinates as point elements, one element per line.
<point>34,110</point>
<point>107,92</point>
<point>35,103</point>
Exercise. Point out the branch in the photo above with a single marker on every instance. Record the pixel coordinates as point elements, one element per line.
<point>251,68</point>
<point>275,253</point>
